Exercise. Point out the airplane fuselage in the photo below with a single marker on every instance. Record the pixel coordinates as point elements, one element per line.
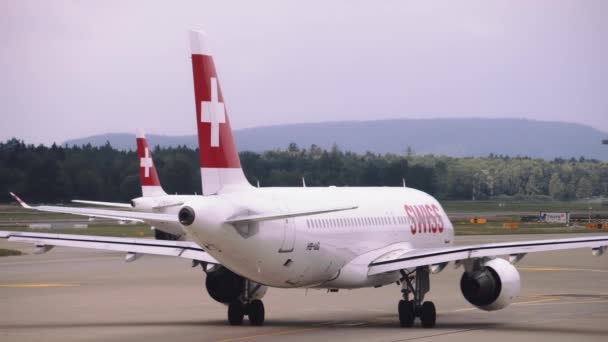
<point>330,250</point>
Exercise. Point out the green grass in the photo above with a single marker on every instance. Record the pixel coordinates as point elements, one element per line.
<point>495,227</point>
<point>17,213</point>
<point>8,252</point>
<point>483,206</point>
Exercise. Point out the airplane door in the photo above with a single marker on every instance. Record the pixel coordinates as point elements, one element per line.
<point>289,236</point>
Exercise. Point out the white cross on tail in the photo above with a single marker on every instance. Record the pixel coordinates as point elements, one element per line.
<point>214,113</point>
<point>146,162</point>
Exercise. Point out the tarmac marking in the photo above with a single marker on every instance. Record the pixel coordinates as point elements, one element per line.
<point>548,268</point>
<point>37,285</point>
<point>600,314</point>
<point>516,303</point>
<point>463,309</point>
<point>536,296</point>
<point>353,324</point>
<point>581,302</point>
<point>276,333</point>
<point>436,335</point>
<point>536,301</point>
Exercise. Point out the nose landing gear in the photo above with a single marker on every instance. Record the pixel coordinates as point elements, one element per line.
<point>417,284</point>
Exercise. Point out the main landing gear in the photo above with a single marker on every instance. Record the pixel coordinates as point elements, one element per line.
<point>417,284</point>
<point>254,309</point>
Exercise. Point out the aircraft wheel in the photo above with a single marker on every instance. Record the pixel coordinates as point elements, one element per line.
<point>236,312</point>
<point>428,315</point>
<point>406,313</point>
<point>256,313</point>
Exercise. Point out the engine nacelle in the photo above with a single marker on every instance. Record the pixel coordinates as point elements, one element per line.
<point>493,286</point>
<point>226,286</point>
<point>143,203</point>
<point>162,235</point>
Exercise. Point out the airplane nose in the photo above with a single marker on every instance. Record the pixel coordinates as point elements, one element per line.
<point>186,216</point>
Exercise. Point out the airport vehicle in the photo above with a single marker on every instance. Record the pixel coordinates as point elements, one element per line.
<point>248,239</point>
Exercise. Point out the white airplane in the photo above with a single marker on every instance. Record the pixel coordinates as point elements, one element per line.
<point>248,239</point>
<point>154,198</point>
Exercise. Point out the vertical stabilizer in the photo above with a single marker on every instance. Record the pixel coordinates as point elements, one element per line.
<point>220,165</point>
<point>150,184</point>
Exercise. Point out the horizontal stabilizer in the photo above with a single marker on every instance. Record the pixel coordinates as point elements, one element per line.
<point>105,204</point>
<point>277,216</point>
<point>167,205</point>
<point>122,215</point>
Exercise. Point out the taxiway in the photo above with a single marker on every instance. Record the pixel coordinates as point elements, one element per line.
<point>84,295</point>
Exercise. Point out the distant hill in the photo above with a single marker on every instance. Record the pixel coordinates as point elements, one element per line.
<point>452,137</point>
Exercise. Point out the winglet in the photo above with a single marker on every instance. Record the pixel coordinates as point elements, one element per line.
<point>23,204</point>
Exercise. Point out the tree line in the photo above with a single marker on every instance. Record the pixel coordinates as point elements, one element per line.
<point>61,173</point>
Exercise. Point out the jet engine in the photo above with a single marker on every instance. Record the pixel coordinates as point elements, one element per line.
<point>491,286</point>
<point>162,235</point>
<point>226,286</point>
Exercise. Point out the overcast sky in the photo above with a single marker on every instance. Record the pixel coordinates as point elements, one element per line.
<point>70,69</point>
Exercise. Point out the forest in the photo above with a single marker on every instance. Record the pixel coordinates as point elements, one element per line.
<point>60,173</point>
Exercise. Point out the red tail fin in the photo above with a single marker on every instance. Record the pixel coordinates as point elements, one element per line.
<point>219,160</point>
<point>150,184</point>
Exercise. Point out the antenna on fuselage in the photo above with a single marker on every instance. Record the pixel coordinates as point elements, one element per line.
<point>258,183</point>
<point>303,182</point>
<point>405,186</point>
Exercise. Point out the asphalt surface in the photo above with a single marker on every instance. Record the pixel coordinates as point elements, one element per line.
<point>85,295</point>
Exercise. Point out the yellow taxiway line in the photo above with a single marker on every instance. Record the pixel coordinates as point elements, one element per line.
<point>37,285</point>
<point>563,269</point>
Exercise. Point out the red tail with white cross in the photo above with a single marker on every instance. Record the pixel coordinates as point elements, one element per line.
<point>150,184</point>
<point>220,166</point>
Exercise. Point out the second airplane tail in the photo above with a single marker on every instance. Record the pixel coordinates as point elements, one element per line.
<point>150,184</point>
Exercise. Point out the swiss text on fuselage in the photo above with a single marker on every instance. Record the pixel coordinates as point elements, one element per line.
<point>424,218</point>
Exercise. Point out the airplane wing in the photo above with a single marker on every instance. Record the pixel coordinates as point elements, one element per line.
<point>123,215</point>
<point>133,246</point>
<point>516,250</point>
<point>105,204</point>
<point>276,216</point>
